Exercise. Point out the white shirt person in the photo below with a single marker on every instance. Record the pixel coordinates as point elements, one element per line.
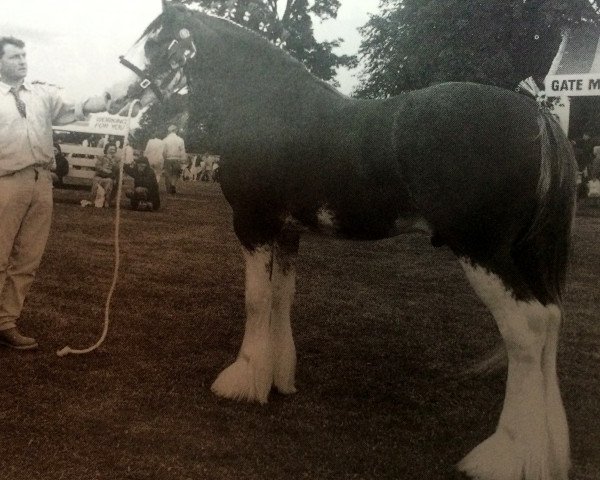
<point>27,112</point>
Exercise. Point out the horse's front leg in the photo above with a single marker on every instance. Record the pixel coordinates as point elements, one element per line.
<point>250,377</point>
<point>284,286</point>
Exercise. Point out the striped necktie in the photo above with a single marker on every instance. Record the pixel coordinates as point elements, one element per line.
<point>21,107</point>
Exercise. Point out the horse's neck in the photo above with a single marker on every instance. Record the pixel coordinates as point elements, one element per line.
<point>254,79</point>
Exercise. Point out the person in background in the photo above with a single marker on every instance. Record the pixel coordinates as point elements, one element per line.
<point>209,161</point>
<point>61,166</point>
<point>128,154</point>
<point>154,152</point>
<point>215,169</point>
<point>595,167</point>
<point>584,154</point>
<point>174,153</point>
<point>145,187</point>
<point>102,142</point>
<point>104,180</point>
<point>27,110</point>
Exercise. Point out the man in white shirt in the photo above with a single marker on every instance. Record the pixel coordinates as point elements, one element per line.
<point>154,152</point>
<point>174,154</point>
<point>27,112</point>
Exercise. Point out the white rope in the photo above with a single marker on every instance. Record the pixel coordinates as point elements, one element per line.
<point>66,350</point>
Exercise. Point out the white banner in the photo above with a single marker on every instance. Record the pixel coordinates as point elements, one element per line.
<point>575,85</point>
<point>108,124</point>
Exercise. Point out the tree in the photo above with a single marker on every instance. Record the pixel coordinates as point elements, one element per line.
<point>414,43</point>
<point>291,28</point>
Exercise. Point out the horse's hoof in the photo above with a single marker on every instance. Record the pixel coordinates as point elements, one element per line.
<point>286,390</point>
<point>241,381</point>
<point>500,457</point>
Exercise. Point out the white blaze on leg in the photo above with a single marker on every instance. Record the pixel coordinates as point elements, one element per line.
<point>557,419</point>
<point>522,446</point>
<point>284,351</point>
<point>251,375</point>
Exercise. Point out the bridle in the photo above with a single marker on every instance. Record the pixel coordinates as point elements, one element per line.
<point>179,52</point>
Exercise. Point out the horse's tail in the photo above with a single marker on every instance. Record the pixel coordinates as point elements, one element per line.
<point>542,252</point>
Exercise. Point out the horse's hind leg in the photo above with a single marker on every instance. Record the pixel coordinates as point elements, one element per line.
<point>250,377</point>
<point>531,440</point>
<point>284,284</point>
<point>557,419</point>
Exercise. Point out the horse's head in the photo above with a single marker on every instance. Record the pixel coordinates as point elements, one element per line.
<point>156,62</point>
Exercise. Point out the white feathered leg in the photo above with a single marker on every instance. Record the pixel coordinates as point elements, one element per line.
<point>284,350</point>
<point>557,419</point>
<point>251,375</point>
<point>530,430</point>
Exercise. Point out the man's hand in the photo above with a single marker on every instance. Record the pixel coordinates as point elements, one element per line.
<point>96,104</point>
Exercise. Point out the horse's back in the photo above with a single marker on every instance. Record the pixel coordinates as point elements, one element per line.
<point>470,157</point>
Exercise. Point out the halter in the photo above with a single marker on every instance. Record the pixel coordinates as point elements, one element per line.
<point>178,52</point>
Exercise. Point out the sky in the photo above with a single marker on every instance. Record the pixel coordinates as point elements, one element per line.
<point>76,43</point>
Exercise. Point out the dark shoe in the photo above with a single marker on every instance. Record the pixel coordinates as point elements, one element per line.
<point>13,339</point>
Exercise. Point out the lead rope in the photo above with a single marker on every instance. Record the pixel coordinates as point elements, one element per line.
<point>66,350</point>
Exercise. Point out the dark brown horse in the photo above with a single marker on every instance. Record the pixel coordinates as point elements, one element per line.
<point>484,170</point>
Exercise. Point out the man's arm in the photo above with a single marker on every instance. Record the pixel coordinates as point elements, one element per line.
<point>64,112</point>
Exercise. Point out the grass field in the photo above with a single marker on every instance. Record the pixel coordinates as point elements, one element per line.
<point>380,328</point>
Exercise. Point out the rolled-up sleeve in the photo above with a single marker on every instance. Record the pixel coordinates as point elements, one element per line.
<point>62,111</point>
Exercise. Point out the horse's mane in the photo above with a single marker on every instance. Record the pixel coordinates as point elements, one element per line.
<point>154,25</point>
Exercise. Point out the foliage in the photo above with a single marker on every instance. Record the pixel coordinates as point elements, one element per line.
<point>155,120</point>
<point>415,43</point>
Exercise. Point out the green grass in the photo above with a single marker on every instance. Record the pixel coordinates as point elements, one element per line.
<point>379,328</point>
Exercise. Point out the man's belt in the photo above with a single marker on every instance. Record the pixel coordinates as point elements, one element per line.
<point>35,166</point>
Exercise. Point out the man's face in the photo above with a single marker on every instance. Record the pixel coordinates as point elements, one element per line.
<point>111,151</point>
<point>13,64</point>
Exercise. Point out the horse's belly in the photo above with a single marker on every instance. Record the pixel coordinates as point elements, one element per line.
<point>374,227</point>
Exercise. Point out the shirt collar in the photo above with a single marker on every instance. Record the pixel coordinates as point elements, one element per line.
<point>5,88</point>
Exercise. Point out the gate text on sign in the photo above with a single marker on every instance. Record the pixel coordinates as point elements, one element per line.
<point>573,85</point>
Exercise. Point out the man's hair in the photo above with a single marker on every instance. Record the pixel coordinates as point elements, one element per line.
<point>10,41</point>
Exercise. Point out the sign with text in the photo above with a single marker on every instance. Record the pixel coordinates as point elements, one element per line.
<point>587,84</point>
<point>108,124</point>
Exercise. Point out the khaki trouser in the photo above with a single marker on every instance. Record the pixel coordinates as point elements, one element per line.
<point>25,217</point>
<point>171,172</point>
